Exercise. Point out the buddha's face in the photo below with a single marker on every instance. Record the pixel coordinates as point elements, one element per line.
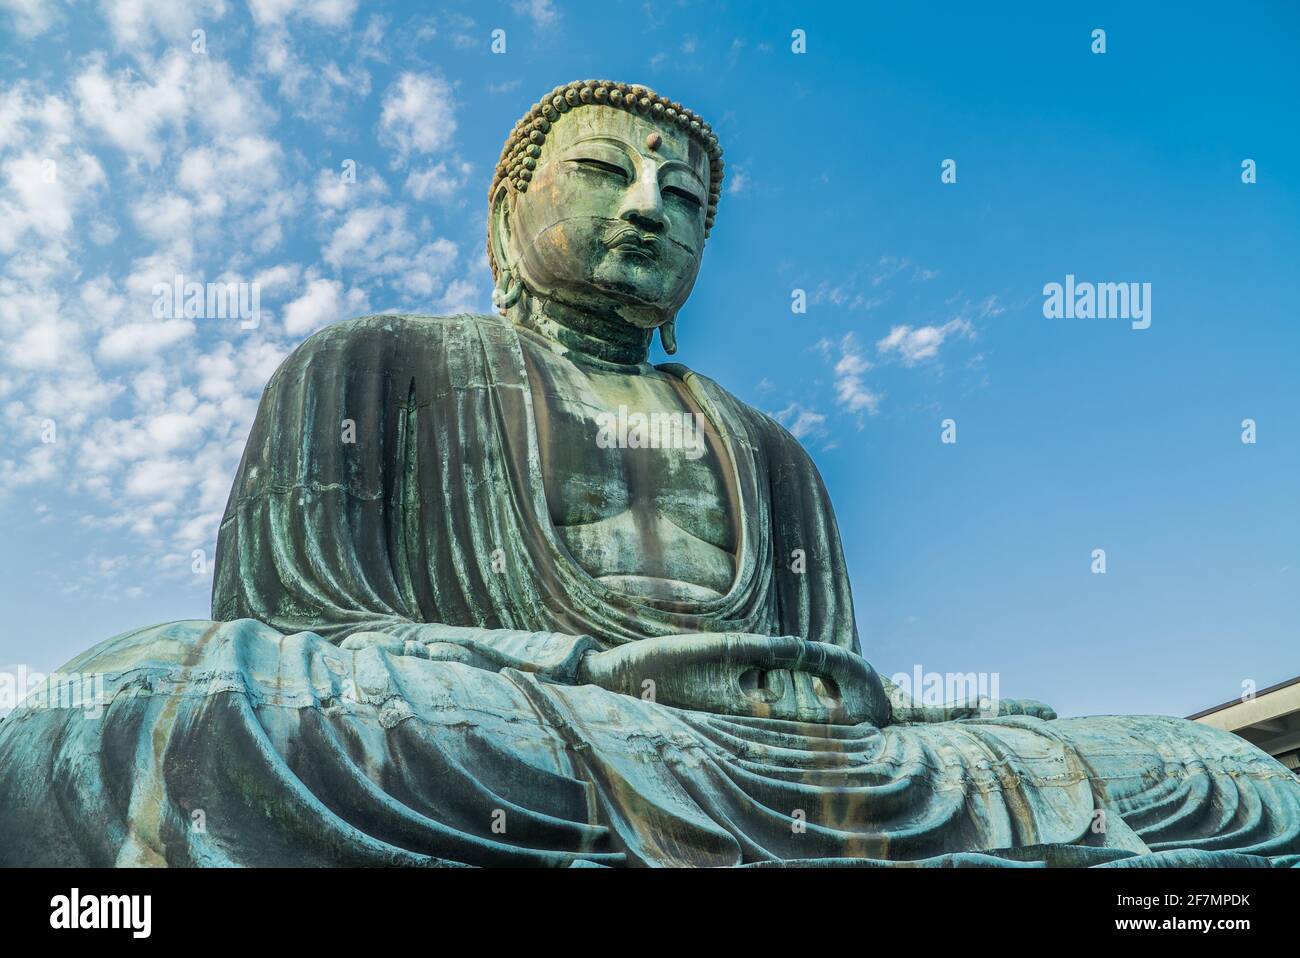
<point>613,219</point>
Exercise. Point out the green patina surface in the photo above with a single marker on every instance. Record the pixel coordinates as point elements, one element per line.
<point>468,611</point>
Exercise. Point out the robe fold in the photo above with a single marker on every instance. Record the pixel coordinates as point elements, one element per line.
<point>392,484</point>
<point>436,511</point>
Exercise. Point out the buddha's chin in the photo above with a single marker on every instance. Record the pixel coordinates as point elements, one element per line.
<point>645,295</point>
<point>633,303</point>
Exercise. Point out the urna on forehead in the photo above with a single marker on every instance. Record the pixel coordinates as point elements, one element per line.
<point>524,146</point>
<point>639,133</point>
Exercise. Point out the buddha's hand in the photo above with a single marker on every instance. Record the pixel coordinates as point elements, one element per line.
<point>421,648</point>
<point>777,677</point>
<point>1030,707</point>
<point>906,712</point>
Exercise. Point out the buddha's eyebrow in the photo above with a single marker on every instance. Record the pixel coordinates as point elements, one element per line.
<point>625,146</point>
<point>602,138</point>
<point>669,165</point>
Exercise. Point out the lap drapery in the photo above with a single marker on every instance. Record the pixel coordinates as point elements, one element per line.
<point>231,744</point>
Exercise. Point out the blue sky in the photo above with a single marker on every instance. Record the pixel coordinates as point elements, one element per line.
<point>924,299</point>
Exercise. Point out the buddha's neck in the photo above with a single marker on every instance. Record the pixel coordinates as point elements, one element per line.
<point>598,337</point>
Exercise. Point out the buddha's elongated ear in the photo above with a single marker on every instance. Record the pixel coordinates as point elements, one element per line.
<point>508,287</point>
<point>499,228</point>
<point>668,336</point>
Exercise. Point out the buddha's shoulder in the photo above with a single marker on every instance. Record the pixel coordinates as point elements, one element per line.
<point>382,334</point>
<point>396,326</point>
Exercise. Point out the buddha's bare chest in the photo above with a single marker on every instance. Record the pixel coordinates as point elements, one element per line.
<point>636,478</point>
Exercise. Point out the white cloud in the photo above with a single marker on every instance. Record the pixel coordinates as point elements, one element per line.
<point>103,230</point>
<point>916,344</point>
<point>851,363</point>
<point>323,303</point>
<point>132,113</point>
<point>74,398</point>
<point>228,374</point>
<point>39,346</point>
<point>879,281</point>
<point>231,173</point>
<point>801,422</point>
<point>888,268</point>
<point>438,182</point>
<point>364,234</point>
<point>461,296</point>
<point>31,18</point>
<point>418,115</point>
<point>374,242</point>
<point>166,219</point>
<point>541,12</point>
<point>372,39</point>
<point>168,162</point>
<point>278,278</point>
<point>25,115</point>
<point>158,479</point>
<point>144,113</point>
<point>326,13</point>
<point>134,23</point>
<point>851,392</point>
<point>171,430</point>
<point>137,342</point>
<point>311,89</point>
<point>219,191</point>
<point>42,193</point>
<point>334,193</point>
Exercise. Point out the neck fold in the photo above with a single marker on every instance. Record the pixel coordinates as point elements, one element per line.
<point>599,337</point>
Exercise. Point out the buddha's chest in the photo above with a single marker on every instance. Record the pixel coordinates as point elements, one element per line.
<point>636,477</point>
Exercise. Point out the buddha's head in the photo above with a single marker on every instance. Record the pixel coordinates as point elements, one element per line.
<point>601,202</point>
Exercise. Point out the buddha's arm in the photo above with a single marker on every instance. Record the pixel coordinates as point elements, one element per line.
<point>778,677</point>
<point>555,655</point>
<point>905,709</point>
<point>733,673</point>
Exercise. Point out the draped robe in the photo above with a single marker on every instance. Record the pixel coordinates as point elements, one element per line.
<point>392,484</point>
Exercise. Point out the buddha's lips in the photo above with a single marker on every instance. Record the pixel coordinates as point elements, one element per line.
<point>633,241</point>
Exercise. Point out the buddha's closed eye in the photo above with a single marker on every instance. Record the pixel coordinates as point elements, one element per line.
<point>605,168</point>
<point>592,165</point>
<point>682,194</point>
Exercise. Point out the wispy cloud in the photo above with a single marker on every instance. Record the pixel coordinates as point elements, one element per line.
<point>850,368</point>
<point>801,422</point>
<point>541,12</point>
<point>148,160</point>
<point>867,288</point>
<point>418,115</point>
<point>914,344</point>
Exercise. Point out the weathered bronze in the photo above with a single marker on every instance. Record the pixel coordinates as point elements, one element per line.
<point>495,590</point>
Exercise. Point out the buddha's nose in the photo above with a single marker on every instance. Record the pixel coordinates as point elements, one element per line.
<point>643,206</point>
